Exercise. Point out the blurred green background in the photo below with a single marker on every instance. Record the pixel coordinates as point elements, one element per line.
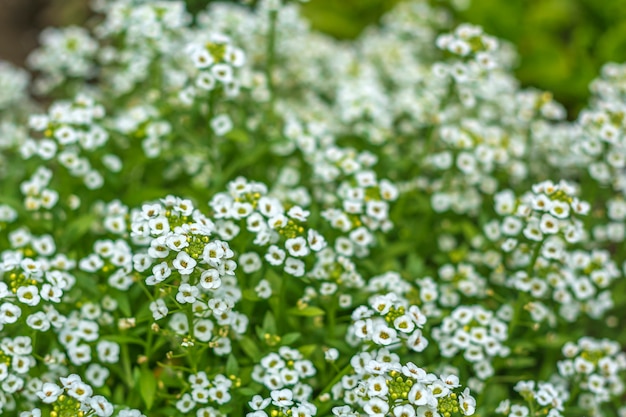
<point>562,43</point>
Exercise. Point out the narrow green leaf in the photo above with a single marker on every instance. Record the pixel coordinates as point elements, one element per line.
<point>249,391</point>
<point>269,323</point>
<point>77,229</point>
<point>250,295</point>
<point>250,348</point>
<point>124,339</point>
<point>238,135</point>
<point>232,367</point>
<point>147,387</point>
<point>123,303</point>
<point>309,311</point>
<point>289,338</point>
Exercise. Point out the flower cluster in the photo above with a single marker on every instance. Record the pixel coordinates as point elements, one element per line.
<point>143,123</point>
<point>34,280</point>
<point>64,53</point>
<point>204,391</point>
<point>133,35</point>
<point>71,134</point>
<point>215,60</point>
<point>74,397</point>
<point>284,374</point>
<point>545,398</point>
<point>477,333</point>
<point>282,231</point>
<point>381,385</point>
<point>595,367</point>
<point>388,321</point>
<point>536,237</point>
<point>224,212</point>
<point>287,368</point>
<point>187,265</point>
<point>13,82</point>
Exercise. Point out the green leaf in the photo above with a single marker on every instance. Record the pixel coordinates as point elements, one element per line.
<point>250,295</point>
<point>309,311</point>
<point>249,391</point>
<point>269,323</point>
<point>124,339</point>
<point>147,387</point>
<point>77,229</point>
<point>289,338</point>
<point>307,350</point>
<point>232,367</point>
<point>123,303</point>
<point>250,348</point>
<point>521,362</point>
<point>415,265</point>
<point>238,135</point>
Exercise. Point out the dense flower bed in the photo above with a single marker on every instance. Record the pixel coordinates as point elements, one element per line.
<point>229,214</point>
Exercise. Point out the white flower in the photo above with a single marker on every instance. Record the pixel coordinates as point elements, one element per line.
<point>221,124</point>
<point>49,392</point>
<point>377,386</point>
<point>376,407</point>
<point>294,267</point>
<point>108,352</point>
<point>213,253</point>
<point>417,316</point>
<point>384,335</point>
<point>560,209</point>
<point>222,72</point>
<point>315,240</point>
<point>420,395</point>
<point>282,398</point>
<point>101,406</point>
<point>263,289</point>
<point>187,293</point>
<point>185,404</point>
<point>403,411</point>
<point>204,81</point>
<point>417,342</point>
<point>184,263</point>
<point>259,403</point>
<point>404,324</point>
<point>201,58</point>
<point>66,135</point>
<point>203,330</point>
<point>210,279</point>
<point>79,354</point>
<point>297,246</point>
<point>80,391</point>
<point>176,242</point>
<point>96,374</point>
<point>467,403</point>
<point>9,313</point>
<point>28,295</point>
<point>298,213</point>
<point>161,271</point>
<point>158,309</point>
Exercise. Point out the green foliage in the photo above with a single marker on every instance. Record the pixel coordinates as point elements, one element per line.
<point>562,43</point>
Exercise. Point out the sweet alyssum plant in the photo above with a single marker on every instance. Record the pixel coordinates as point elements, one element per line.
<point>229,214</point>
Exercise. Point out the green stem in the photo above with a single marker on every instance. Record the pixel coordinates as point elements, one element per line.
<point>128,374</point>
<point>533,260</point>
<point>332,320</point>
<point>331,384</point>
<point>190,351</point>
<point>215,143</point>
<point>523,297</point>
<point>270,53</point>
<point>282,305</point>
